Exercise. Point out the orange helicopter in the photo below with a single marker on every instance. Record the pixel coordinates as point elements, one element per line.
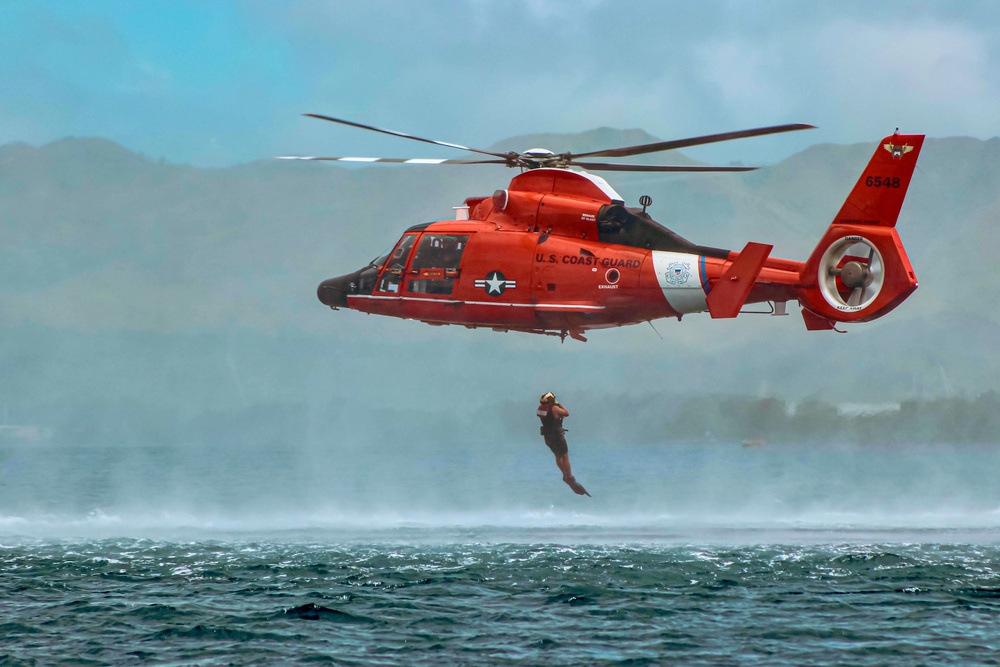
<point>559,253</point>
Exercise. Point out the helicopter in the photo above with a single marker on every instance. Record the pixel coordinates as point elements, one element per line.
<point>558,252</point>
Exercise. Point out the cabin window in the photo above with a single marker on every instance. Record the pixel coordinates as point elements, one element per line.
<point>436,263</point>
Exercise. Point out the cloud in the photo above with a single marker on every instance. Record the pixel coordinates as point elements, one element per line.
<point>168,78</point>
<point>936,76</point>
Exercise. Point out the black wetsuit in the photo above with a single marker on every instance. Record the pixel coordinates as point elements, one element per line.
<point>552,430</point>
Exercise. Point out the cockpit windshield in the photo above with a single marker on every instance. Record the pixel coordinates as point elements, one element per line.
<point>381,259</point>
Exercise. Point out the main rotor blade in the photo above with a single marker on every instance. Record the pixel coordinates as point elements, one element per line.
<point>401,134</point>
<point>611,166</point>
<point>411,160</point>
<point>693,141</point>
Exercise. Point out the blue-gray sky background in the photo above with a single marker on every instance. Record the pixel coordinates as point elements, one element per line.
<point>220,83</point>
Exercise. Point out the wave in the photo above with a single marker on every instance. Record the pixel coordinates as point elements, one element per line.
<point>516,526</point>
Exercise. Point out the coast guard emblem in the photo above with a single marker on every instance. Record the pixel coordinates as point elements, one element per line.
<point>677,273</point>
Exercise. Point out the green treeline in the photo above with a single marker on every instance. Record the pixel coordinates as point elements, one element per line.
<point>743,418</point>
<point>652,419</point>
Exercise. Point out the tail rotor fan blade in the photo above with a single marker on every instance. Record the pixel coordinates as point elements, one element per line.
<point>869,277</point>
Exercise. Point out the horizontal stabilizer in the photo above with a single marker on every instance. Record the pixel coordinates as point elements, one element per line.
<point>731,291</point>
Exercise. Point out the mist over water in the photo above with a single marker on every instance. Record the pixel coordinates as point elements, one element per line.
<point>462,488</point>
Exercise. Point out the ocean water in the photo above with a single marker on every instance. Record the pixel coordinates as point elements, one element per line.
<point>343,554</point>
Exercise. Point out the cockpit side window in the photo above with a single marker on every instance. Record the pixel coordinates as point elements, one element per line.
<point>395,265</point>
<point>436,263</point>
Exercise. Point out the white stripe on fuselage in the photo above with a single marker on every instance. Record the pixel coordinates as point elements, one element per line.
<point>679,276</point>
<point>455,302</point>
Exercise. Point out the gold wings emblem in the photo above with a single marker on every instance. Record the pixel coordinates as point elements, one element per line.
<point>898,151</point>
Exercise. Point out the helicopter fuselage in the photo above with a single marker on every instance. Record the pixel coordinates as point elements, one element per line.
<point>557,253</point>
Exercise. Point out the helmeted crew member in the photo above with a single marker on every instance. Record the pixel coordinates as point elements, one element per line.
<point>552,414</point>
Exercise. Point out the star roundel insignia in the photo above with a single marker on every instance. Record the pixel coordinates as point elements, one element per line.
<point>495,283</point>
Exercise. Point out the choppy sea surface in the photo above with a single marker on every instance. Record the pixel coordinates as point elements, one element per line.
<point>695,554</point>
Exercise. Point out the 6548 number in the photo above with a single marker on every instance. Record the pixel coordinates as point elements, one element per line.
<point>882,182</point>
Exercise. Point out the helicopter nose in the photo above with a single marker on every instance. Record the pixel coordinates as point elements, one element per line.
<point>333,292</point>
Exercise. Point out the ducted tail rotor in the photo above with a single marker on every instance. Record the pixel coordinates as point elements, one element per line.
<point>851,273</point>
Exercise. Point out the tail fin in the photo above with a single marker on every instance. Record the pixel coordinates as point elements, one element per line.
<point>859,271</point>
<point>879,193</point>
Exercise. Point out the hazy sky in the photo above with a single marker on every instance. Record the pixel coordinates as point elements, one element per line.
<point>221,82</point>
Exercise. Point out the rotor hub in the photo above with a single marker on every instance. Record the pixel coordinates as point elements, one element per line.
<point>855,274</point>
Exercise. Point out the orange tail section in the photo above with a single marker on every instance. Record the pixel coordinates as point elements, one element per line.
<point>859,271</point>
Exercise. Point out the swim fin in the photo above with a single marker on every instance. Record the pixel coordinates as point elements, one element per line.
<point>577,487</point>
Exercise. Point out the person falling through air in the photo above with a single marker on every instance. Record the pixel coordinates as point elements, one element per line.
<point>552,415</point>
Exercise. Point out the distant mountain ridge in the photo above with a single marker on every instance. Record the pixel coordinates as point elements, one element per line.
<point>101,246</point>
